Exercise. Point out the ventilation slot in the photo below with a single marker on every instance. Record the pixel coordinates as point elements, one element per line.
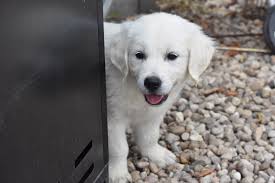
<point>87,173</point>
<point>83,154</point>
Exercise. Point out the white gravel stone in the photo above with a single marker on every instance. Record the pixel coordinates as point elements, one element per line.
<point>268,156</point>
<point>195,136</point>
<point>185,136</point>
<point>236,101</point>
<point>260,157</point>
<point>248,179</point>
<point>271,179</point>
<point>271,133</point>
<point>229,154</point>
<point>256,84</point>
<point>245,167</point>
<point>223,172</point>
<point>236,175</point>
<point>264,175</point>
<point>209,105</point>
<point>142,164</point>
<point>206,179</point>
<point>225,179</point>
<point>178,117</point>
<point>266,92</point>
<point>217,130</point>
<point>246,113</point>
<point>143,175</point>
<point>260,180</point>
<point>230,109</point>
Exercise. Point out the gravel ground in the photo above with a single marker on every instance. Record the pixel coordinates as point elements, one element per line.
<point>223,129</point>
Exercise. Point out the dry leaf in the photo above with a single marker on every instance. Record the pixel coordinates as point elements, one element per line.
<point>204,172</point>
<point>231,93</point>
<point>220,90</point>
<point>232,53</point>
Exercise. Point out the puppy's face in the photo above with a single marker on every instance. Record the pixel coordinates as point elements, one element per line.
<point>157,60</point>
<point>160,50</point>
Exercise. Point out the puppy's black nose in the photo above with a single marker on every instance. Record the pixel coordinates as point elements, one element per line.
<point>152,83</point>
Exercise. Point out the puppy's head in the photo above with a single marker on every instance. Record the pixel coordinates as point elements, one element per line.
<point>160,50</point>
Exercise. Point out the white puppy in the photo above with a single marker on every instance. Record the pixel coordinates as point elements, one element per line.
<point>147,61</point>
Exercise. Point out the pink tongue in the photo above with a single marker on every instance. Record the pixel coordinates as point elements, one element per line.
<point>154,99</point>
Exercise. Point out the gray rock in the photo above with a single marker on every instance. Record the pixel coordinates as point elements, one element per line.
<point>170,138</point>
<point>258,100</point>
<point>152,178</point>
<point>223,172</point>
<point>177,130</point>
<point>225,179</point>
<point>143,175</point>
<point>263,166</point>
<point>182,107</point>
<point>256,84</point>
<point>260,157</point>
<point>195,99</point>
<point>248,179</point>
<point>215,115</point>
<point>201,128</point>
<point>263,175</point>
<point>194,107</point>
<point>219,101</point>
<point>176,147</point>
<point>272,84</point>
<point>260,180</point>
<point>181,101</point>
<point>217,130</point>
<point>255,108</point>
<point>271,133</point>
<point>272,99</point>
<point>245,167</point>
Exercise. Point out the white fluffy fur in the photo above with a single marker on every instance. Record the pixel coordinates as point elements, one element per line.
<point>156,35</point>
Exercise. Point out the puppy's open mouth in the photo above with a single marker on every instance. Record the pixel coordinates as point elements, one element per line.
<point>154,99</point>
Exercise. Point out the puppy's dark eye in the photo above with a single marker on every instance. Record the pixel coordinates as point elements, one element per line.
<point>140,55</point>
<point>172,56</point>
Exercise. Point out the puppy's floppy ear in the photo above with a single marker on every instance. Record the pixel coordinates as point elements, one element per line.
<point>201,52</point>
<point>118,51</point>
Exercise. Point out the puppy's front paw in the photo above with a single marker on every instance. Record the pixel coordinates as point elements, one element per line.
<point>160,155</point>
<point>119,174</point>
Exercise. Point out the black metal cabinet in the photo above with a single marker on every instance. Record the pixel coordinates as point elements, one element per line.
<point>52,92</point>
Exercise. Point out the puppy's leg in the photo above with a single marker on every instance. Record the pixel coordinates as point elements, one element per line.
<point>147,135</point>
<point>118,151</point>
